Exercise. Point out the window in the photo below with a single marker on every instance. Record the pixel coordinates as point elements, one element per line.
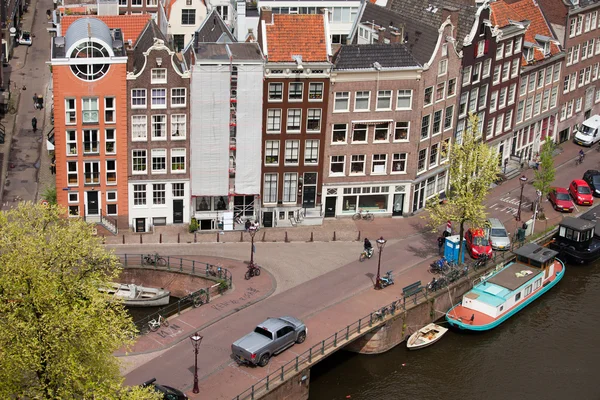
<point>473,99</point>
<point>138,98</point>
<point>520,109</point>
<point>440,91</point>
<point>270,188</point>
<point>518,296</point>
<point>111,209</point>
<point>71,143</point>
<point>111,172</point>
<point>361,101</point>
<point>273,120</point>
<point>276,91</point>
<point>448,117</point>
<point>139,161</point>
<point>428,97</point>
<point>578,104</point>
<point>290,183</point>
<point>433,156</point>
<point>576,53</point>
<point>74,197</point>
<point>293,119</point>
<point>505,71</point>
<point>451,87</point>
<point>466,76</point>
<point>493,101</point>
<point>588,18</point>
<point>421,160</point>
<point>109,110</point>
<point>509,48</point>
<point>178,97</point>
<point>462,106</point>
<point>313,120</point>
<point>523,87</point>
<point>514,72</point>
<point>546,100</point>
<point>518,43</point>
<point>70,112</point>
<point>188,17</point>
<point>91,172</point>
<point>336,166</point>
<point>508,120</point>
<point>502,98</point>
<point>404,100</point>
<point>482,98</point>
<point>315,91</point>
<point>487,66</point>
<point>159,98</point>
<point>496,77</point>
<point>159,75</point>
<point>399,163</point>
<point>532,82</point>
<point>481,47</point>
<point>442,67</point>
<point>528,108</point>
<point>159,161</point>
<point>342,101</point>
<point>177,161</point>
<point>91,141</point>
<point>540,79</point>
<point>572,27</point>
<point>381,132</point>
<point>139,195</point>
<point>553,96</point>
<point>445,152</point>
<point>72,179</point>
<point>311,152</point>
<point>384,100</point>
<point>476,73</point>
<point>159,193</point>
<point>295,93</point>
<point>139,127</point>
<point>437,122</point>
<point>401,131</point>
<point>357,165</point>
<point>223,11</point>
<point>110,140</point>
<point>537,104</point>
<point>159,127</point>
<point>291,152</point>
<point>425,126</point>
<point>339,133</point>
<point>499,124</point>
<point>359,133</point>
<point>90,110</point>
<point>379,164</point>
<point>272,152</point>
<point>500,52</point>
<point>178,126</point>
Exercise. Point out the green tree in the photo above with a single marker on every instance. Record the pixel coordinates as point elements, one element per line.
<point>50,195</point>
<point>544,176</point>
<point>473,167</point>
<point>58,332</point>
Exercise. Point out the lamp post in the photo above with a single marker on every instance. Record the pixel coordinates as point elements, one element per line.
<point>252,231</point>
<point>380,245</point>
<point>523,180</point>
<point>196,339</point>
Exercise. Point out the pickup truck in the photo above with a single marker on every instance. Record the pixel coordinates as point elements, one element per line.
<point>268,339</point>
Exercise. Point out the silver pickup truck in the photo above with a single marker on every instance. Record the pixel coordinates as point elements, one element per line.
<point>269,338</point>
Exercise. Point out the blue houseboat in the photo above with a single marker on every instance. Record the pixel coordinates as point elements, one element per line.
<point>504,293</point>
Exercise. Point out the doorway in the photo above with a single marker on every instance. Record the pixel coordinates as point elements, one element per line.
<point>398,205</point>
<point>140,225</point>
<point>92,203</point>
<point>267,219</point>
<point>178,211</point>
<point>330,203</point>
<point>309,194</point>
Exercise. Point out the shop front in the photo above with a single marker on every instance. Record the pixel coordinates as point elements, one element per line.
<point>346,200</point>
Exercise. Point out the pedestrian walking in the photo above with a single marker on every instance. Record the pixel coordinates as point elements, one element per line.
<point>53,166</point>
<point>35,103</point>
<point>441,241</point>
<point>34,123</point>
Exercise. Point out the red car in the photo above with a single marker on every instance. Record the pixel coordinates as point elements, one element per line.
<point>478,243</point>
<point>581,192</point>
<point>560,199</point>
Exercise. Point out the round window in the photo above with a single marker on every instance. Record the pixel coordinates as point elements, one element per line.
<point>95,68</point>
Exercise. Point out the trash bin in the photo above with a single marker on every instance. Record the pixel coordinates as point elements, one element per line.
<point>528,225</point>
<point>451,249</point>
<point>520,234</point>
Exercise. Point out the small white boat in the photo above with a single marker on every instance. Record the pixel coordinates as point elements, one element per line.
<point>138,296</point>
<point>425,336</point>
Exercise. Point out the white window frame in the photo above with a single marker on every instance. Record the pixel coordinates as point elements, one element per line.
<point>334,130</point>
<point>178,94</point>
<point>158,76</point>
<point>337,159</point>
<point>110,171</point>
<point>376,160</point>
<point>339,99</point>
<point>292,152</point>
<point>74,172</point>
<point>399,126</point>
<point>110,140</point>
<point>311,152</point>
<point>290,91</point>
<point>138,98</point>
<point>137,121</point>
<point>270,188</point>
<point>361,95</point>
<point>290,188</point>
<point>159,120</point>
<point>159,154</point>
<point>293,115</point>
<point>110,109</point>
<point>313,114</point>
<point>275,94</point>
<point>176,155</point>
<point>399,159</point>
<point>178,121</point>
<point>382,95</point>
<point>271,152</point>
<point>157,95</point>
<point>90,110</point>
<point>71,142</point>
<point>273,119</point>
<point>313,91</point>
<point>70,111</point>
<point>358,159</point>
<point>95,172</point>
<point>141,154</point>
<point>404,94</point>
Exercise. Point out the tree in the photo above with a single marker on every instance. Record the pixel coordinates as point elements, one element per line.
<point>58,331</point>
<point>473,168</point>
<point>544,175</point>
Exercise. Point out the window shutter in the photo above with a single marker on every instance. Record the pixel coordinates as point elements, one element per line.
<point>487,45</point>
<point>476,49</point>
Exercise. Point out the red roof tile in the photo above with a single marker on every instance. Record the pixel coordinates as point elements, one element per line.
<point>131,25</point>
<point>292,34</point>
<point>521,10</point>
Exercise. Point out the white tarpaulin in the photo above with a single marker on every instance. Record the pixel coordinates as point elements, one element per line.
<point>249,133</point>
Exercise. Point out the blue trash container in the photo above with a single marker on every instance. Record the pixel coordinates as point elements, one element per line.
<point>451,248</point>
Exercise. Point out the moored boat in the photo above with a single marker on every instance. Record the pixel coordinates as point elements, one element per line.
<point>138,296</point>
<point>504,293</point>
<point>425,336</point>
<point>577,240</point>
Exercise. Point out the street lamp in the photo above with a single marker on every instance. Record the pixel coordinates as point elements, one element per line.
<point>252,231</point>
<point>380,245</point>
<point>523,180</point>
<point>196,339</point>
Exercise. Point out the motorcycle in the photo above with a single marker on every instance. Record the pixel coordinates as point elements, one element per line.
<point>367,253</point>
<point>439,266</point>
<point>436,284</point>
<point>386,280</point>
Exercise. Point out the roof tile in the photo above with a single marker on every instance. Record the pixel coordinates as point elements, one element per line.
<point>130,25</point>
<point>297,34</point>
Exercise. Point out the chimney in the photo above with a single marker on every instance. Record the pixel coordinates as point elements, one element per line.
<point>266,15</point>
<point>395,37</point>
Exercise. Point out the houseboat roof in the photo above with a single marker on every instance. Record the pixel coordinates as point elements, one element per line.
<point>513,276</point>
<point>535,252</point>
<point>577,224</point>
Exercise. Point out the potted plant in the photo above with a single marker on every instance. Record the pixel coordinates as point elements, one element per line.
<point>223,286</point>
<point>193,225</point>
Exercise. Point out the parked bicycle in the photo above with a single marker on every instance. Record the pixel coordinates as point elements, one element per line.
<point>481,261</point>
<point>155,259</point>
<point>440,266</point>
<point>213,271</point>
<point>436,284</point>
<point>199,298</point>
<point>154,324</point>
<point>253,270</point>
<point>363,215</point>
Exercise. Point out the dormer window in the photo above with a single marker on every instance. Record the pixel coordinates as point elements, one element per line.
<point>529,54</point>
<point>546,49</point>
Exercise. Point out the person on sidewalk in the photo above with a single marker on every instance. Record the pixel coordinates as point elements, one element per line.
<point>441,241</point>
<point>34,123</point>
<point>53,166</point>
<point>35,103</point>
<point>247,225</point>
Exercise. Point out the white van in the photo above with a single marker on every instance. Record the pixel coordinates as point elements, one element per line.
<point>588,132</point>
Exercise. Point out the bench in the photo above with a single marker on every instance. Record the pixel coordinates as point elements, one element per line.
<point>411,290</point>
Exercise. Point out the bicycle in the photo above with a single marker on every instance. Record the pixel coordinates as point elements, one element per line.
<point>301,214</point>
<point>365,254</point>
<point>199,298</point>
<point>154,324</point>
<point>155,259</point>
<point>363,215</point>
<point>210,270</point>
<point>253,270</point>
<point>579,159</point>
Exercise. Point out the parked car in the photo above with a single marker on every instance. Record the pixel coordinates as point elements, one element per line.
<point>25,38</point>
<point>581,192</point>
<point>498,236</point>
<point>268,339</point>
<point>169,393</point>
<point>592,178</point>
<point>478,243</point>
<point>560,199</point>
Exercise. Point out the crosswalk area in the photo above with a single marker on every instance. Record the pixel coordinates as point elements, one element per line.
<point>510,205</point>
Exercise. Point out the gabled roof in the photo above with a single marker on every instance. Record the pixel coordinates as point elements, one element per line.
<point>239,52</point>
<point>144,42</point>
<point>289,35</point>
<point>130,25</point>
<point>363,57</point>
<point>504,11</point>
<point>213,30</point>
<point>555,11</point>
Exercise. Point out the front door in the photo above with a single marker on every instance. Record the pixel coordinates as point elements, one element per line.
<point>92,203</point>
<point>398,204</point>
<point>267,219</point>
<point>178,211</point>
<point>330,207</point>
<point>140,224</point>
<point>309,194</point>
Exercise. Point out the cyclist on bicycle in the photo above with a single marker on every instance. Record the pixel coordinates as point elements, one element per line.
<point>581,155</point>
<point>368,246</point>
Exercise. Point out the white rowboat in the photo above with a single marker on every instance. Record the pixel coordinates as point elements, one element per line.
<point>425,336</point>
<point>138,296</point>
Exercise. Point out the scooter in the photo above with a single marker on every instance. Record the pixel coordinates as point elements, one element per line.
<point>386,280</point>
<point>366,254</point>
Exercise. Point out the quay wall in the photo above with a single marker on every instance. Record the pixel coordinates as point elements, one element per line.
<point>180,284</point>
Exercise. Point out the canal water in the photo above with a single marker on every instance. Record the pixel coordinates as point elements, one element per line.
<point>139,313</point>
<point>549,350</point>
